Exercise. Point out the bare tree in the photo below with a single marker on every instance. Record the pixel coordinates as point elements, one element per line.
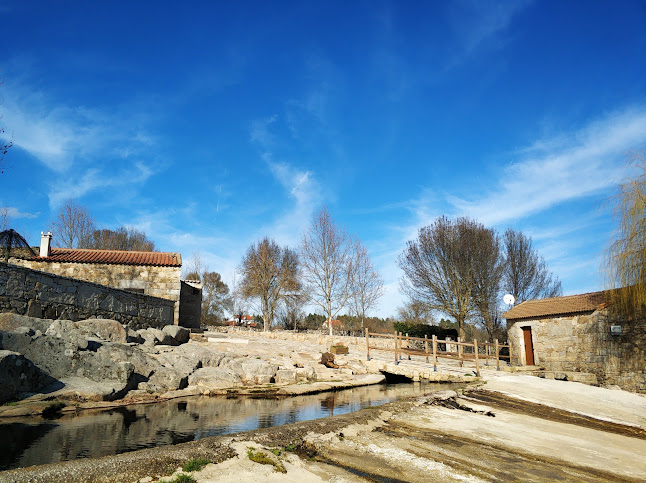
<point>526,275</point>
<point>414,312</point>
<point>488,272</point>
<point>292,313</point>
<point>5,218</point>
<point>238,299</point>
<point>123,238</point>
<point>216,298</point>
<point>439,267</point>
<point>328,259</point>
<point>368,284</point>
<point>194,268</point>
<point>5,144</point>
<point>626,256</point>
<point>269,274</point>
<point>73,225</point>
<point>4,148</point>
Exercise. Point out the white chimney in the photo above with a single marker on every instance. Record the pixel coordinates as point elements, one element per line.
<point>45,244</point>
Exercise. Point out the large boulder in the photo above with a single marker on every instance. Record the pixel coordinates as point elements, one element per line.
<point>153,336</point>
<point>259,372</point>
<point>106,329</point>
<point>19,375</point>
<point>144,364</point>
<point>286,376</point>
<point>180,335</point>
<point>56,357</point>
<point>207,356</point>
<point>181,364</point>
<point>68,331</point>
<point>10,322</point>
<point>214,378</point>
<point>164,379</point>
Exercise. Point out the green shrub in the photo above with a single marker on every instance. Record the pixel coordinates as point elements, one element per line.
<point>53,410</point>
<point>265,459</point>
<point>195,465</point>
<point>421,330</point>
<point>183,479</point>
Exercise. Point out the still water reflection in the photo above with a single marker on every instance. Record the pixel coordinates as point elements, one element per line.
<point>34,441</point>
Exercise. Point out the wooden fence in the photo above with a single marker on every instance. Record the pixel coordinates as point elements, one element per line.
<point>436,348</point>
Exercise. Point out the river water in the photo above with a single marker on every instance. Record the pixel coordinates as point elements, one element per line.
<point>36,441</point>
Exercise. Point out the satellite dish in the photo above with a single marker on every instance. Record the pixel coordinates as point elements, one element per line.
<point>509,299</point>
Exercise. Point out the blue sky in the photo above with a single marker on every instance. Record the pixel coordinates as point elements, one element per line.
<point>212,124</point>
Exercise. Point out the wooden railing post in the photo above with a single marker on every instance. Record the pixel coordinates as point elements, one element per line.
<point>426,346</point>
<point>396,337</point>
<point>460,352</point>
<point>434,353</point>
<point>367,345</point>
<point>497,356</point>
<point>475,350</point>
<point>408,345</point>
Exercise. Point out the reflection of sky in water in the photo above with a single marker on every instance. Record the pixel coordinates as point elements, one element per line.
<point>32,441</point>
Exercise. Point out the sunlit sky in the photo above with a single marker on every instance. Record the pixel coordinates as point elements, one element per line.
<point>209,125</point>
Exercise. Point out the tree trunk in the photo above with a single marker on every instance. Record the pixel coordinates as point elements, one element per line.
<point>461,333</point>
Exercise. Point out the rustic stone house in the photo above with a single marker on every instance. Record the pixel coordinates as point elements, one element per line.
<point>150,273</point>
<point>577,334</point>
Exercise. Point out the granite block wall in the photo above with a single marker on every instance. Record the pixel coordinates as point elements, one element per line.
<point>156,281</point>
<point>39,294</point>
<point>584,343</point>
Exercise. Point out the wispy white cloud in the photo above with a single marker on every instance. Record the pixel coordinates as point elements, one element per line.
<point>76,186</point>
<point>305,194</point>
<point>481,24</point>
<point>13,212</point>
<point>83,146</point>
<point>556,170</point>
<point>260,131</point>
<point>300,185</point>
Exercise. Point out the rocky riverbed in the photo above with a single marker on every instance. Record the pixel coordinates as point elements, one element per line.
<point>99,363</point>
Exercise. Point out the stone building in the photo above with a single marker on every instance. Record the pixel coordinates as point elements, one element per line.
<point>150,273</point>
<point>577,334</point>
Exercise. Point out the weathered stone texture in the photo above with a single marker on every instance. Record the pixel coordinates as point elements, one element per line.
<point>584,343</point>
<point>25,291</point>
<point>19,375</point>
<point>163,282</point>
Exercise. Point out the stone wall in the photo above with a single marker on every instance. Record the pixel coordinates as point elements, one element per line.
<point>161,282</point>
<point>584,343</point>
<point>38,294</point>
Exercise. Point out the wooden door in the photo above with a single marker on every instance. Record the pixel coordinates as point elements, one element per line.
<point>529,348</point>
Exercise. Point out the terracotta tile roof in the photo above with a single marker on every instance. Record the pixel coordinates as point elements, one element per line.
<point>113,257</point>
<point>571,304</point>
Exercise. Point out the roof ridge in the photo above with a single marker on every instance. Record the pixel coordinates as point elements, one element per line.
<point>111,250</point>
<point>565,296</point>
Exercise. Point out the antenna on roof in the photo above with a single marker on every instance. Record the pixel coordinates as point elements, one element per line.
<point>509,299</point>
